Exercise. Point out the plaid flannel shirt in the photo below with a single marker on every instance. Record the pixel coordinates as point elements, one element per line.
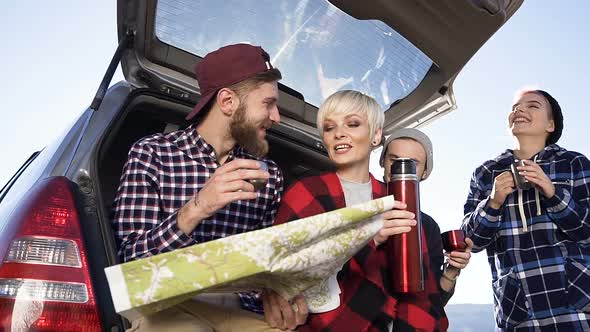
<point>367,304</point>
<point>540,274</point>
<point>162,173</point>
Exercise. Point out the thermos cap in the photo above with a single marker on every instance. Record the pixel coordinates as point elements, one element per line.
<point>403,166</point>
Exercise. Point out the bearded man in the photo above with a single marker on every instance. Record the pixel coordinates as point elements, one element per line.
<point>194,185</point>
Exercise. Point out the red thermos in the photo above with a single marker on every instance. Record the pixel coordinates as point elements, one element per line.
<point>404,251</point>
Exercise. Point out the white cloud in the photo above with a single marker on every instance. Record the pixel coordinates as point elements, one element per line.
<point>364,78</point>
<point>380,58</point>
<point>330,85</point>
<point>385,92</point>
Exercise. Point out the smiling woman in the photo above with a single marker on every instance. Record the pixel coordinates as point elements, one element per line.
<point>350,124</point>
<point>536,113</point>
<point>536,237</point>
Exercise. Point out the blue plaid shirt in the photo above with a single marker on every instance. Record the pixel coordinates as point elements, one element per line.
<point>162,173</point>
<point>540,272</point>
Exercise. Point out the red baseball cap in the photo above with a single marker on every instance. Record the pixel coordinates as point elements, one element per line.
<point>226,66</point>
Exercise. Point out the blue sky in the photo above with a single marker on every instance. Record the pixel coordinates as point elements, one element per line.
<point>55,54</point>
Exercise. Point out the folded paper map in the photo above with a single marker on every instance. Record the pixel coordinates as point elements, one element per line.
<point>290,258</point>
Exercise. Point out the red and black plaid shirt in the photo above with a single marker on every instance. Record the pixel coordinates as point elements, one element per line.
<point>367,304</point>
<point>162,173</point>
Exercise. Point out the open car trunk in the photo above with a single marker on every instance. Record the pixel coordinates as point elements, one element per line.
<point>404,53</point>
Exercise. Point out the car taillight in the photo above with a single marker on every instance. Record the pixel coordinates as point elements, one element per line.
<point>44,277</point>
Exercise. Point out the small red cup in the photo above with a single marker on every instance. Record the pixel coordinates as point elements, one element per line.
<point>454,240</point>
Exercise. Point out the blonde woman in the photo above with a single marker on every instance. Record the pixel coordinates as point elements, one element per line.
<point>350,125</point>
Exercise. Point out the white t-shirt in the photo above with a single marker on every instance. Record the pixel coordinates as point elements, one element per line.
<point>329,290</point>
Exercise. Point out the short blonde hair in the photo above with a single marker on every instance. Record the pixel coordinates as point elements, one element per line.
<point>348,102</point>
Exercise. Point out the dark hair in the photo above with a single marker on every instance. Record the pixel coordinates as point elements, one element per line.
<point>556,115</point>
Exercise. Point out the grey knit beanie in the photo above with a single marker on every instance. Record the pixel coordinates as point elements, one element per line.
<point>419,137</point>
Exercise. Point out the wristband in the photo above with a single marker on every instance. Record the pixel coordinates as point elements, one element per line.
<point>449,278</point>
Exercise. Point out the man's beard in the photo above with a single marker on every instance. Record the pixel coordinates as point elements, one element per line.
<point>245,133</point>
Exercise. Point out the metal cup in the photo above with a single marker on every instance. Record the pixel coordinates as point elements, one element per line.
<point>454,240</point>
<point>519,180</point>
<point>259,184</point>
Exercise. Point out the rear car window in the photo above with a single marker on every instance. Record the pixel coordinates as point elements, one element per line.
<point>318,48</point>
